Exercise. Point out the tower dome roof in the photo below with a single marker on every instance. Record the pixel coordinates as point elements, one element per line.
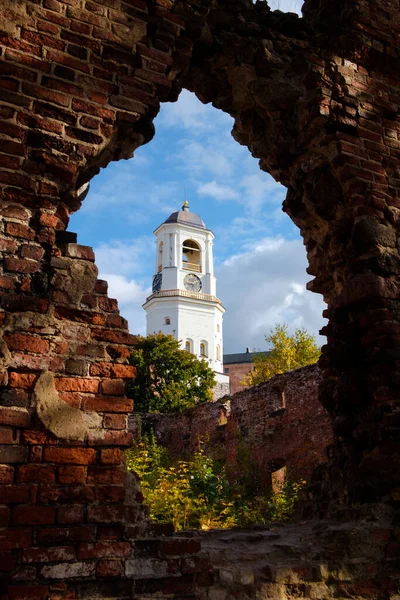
<point>186,217</point>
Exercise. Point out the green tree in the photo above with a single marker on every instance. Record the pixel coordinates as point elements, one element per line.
<point>287,352</point>
<point>168,379</point>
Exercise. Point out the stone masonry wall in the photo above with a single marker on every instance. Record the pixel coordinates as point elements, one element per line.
<point>317,101</point>
<point>279,423</point>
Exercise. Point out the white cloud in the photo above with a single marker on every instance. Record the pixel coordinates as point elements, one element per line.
<point>125,258</point>
<point>130,295</point>
<point>265,286</point>
<point>286,5</point>
<point>217,191</point>
<point>191,114</point>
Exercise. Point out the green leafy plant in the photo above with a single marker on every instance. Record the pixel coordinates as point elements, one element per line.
<point>196,493</point>
<point>168,379</point>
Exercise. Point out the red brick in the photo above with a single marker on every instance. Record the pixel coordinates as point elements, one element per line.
<point>10,162</point>
<point>72,474</point>
<point>112,370</point>
<point>17,179</point>
<point>7,283</point>
<point>44,555</point>
<point>8,245</point>
<point>77,456</point>
<point>48,27</point>
<point>22,380</point>
<point>74,514</point>
<point>26,343</point>
<point>12,130</point>
<point>111,456</point>
<point>109,568</point>
<point>42,40</point>
<point>28,60</point>
<point>48,220</point>
<point>100,404</point>
<point>53,5</point>
<point>17,265</point>
<point>15,538</point>
<point>106,514</point>
<point>17,417</point>
<point>115,337</point>
<point>12,454</point>
<point>34,515</point>
<point>103,475</point>
<point>35,474</point>
<point>111,437</point>
<point>104,550</point>
<point>6,474</point>
<point>34,252</point>
<point>78,251</point>
<point>38,437</point>
<point>179,547</point>
<point>6,112</point>
<point>109,532</point>
<point>10,147</point>
<point>9,435</point>
<point>111,494</point>
<point>75,384</point>
<point>69,534</point>
<point>113,387</point>
<point>37,91</point>
<point>114,421</point>
<point>72,63</point>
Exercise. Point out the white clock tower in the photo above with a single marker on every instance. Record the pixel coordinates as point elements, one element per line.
<point>184,302</point>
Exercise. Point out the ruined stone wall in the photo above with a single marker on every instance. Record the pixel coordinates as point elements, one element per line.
<point>275,424</point>
<point>317,101</point>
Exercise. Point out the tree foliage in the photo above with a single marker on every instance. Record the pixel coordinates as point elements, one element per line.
<point>168,378</point>
<point>287,352</point>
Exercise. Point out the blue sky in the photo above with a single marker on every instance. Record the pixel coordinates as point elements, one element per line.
<point>259,257</point>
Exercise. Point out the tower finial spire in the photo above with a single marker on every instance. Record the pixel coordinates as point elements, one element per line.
<point>185,206</point>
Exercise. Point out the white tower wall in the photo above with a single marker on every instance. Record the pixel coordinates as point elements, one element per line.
<point>184,302</point>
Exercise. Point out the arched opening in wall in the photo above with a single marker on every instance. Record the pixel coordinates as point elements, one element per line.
<point>191,256</point>
<point>160,257</point>
<point>259,259</point>
<point>203,349</point>
<point>278,478</point>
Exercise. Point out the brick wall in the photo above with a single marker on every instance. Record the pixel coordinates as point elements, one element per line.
<point>279,423</point>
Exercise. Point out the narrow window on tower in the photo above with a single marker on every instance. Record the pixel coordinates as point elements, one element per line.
<point>167,321</point>
<point>160,257</point>
<point>189,346</point>
<point>203,349</point>
<point>218,352</point>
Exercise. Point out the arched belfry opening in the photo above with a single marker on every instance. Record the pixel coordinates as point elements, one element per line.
<point>191,256</point>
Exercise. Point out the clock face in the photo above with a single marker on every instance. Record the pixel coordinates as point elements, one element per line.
<point>192,283</point>
<point>157,281</point>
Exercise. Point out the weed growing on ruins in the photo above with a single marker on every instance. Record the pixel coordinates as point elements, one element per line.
<point>197,494</point>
